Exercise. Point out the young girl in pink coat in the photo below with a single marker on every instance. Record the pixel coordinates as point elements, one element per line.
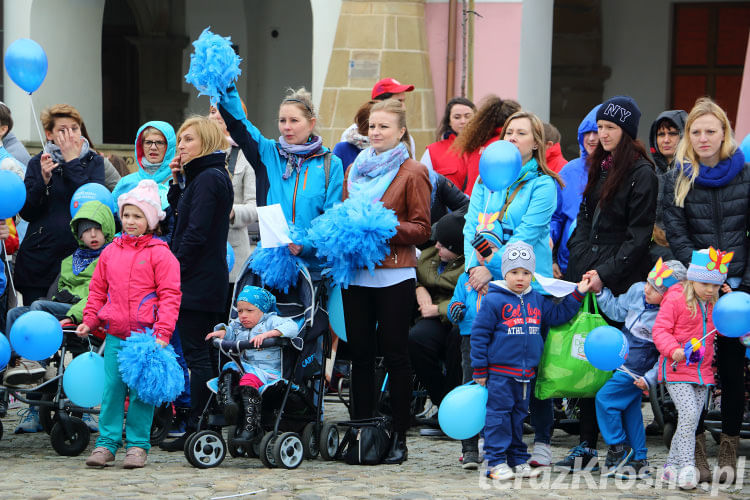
<point>136,285</point>
<point>684,315</point>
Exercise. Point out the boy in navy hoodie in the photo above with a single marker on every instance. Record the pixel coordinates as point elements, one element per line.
<point>506,345</point>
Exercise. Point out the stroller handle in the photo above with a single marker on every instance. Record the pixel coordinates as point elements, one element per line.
<point>237,346</point>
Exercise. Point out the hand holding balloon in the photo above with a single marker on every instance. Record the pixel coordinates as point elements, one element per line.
<point>83,330</point>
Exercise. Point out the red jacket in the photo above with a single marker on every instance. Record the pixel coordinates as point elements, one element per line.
<point>471,161</point>
<point>673,327</point>
<point>11,244</point>
<point>446,162</point>
<point>136,285</point>
<point>555,159</point>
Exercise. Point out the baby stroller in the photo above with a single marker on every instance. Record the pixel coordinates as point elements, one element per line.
<point>291,409</point>
<point>60,417</point>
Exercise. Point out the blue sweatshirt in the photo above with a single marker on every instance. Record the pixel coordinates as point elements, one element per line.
<point>265,359</point>
<point>639,318</point>
<point>507,336</point>
<point>465,294</point>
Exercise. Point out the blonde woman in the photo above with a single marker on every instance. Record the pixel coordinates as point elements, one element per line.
<point>201,197</point>
<point>707,203</point>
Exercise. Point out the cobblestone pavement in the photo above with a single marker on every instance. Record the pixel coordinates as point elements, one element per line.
<point>30,469</point>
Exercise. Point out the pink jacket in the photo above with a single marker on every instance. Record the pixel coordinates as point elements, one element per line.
<point>673,327</point>
<point>136,285</point>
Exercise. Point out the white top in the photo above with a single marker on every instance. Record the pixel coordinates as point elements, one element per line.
<point>384,277</point>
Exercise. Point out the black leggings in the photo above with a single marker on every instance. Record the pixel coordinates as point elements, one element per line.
<point>192,327</point>
<point>389,308</point>
<point>731,361</point>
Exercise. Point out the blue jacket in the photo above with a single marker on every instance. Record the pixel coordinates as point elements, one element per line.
<point>466,295</point>
<point>507,338</point>
<point>574,175</point>
<point>639,317</point>
<point>265,359</point>
<point>304,195</point>
<point>162,175</point>
<point>526,219</point>
<point>199,240</point>
<point>48,239</point>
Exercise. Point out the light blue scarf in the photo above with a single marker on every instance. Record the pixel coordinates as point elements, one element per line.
<point>372,173</point>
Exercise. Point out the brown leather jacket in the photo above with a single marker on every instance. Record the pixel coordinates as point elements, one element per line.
<point>408,196</point>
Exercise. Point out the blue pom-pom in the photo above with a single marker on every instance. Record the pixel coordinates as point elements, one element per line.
<point>351,236</point>
<point>277,267</point>
<point>214,66</point>
<point>150,370</point>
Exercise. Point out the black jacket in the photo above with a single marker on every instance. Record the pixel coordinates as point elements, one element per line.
<point>616,244</point>
<point>199,239</point>
<point>446,197</point>
<point>48,238</point>
<point>718,217</point>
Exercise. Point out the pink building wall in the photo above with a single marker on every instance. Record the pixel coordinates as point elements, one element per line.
<point>743,108</point>
<point>497,49</point>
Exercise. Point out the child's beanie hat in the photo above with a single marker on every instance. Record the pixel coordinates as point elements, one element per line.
<point>448,231</point>
<point>146,197</point>
<point>259,297</point>
<point>709,266</point>
<point>518,254</point>
<point>666,274</point>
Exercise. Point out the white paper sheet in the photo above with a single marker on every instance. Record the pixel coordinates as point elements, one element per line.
<point>274,231</point>
<point>558,288</point>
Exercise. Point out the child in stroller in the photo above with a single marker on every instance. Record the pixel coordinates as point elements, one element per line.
<point>257,320</point>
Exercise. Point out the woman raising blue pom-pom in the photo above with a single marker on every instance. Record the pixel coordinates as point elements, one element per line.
<point>385,173</point>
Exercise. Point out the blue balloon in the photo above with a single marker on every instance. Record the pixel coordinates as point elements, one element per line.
<point>4,351</point>
<point>336,313</point>
<point>499,165</point>
<point>26,64</point>
<point>90,192</point>
<point>36,335</point>
<point>463,410</point>
<point>230,256</point>
<point>12,194</point>
<point>606,348</point>
<point>732,314</point>
<point>83,380</point>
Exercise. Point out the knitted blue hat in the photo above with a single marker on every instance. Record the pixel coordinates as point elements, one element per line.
<point>709,266</point>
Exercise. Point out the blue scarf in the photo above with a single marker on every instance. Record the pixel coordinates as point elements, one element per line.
<point>372,173</point>
<point>296,153</point>
<point>719,175</point>
<point>82,257</point>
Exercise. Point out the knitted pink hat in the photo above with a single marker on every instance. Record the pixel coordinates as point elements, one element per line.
<point>146,197</point>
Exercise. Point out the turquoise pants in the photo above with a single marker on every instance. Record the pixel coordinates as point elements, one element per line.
<point>140,414</point>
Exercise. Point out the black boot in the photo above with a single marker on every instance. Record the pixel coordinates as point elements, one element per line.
<point>228,382</point>
<point>251,416</point>
<point>398,452</point>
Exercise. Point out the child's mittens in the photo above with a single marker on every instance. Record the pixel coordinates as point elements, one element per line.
<point>481,245</point>
<point>457,312</point>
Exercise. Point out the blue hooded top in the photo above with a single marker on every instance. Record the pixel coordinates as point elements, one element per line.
<point>162,174</point>
<point>574,175</point>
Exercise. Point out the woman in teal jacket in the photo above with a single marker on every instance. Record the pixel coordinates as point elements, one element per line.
<point>155,146</point>
<point>532,201</point>
<point>296,170</point>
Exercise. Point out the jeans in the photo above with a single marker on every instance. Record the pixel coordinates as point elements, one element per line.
<point>57,309</point>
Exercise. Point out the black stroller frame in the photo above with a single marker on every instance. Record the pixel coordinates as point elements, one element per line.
<point>291,434</point>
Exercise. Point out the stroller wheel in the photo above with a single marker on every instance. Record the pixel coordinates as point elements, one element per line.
<point>310,441</point>
<point>288,451</point>
<point>265,450</point>
<point>205,449</point>
<point>329,441</point>
<point>70,445</point>
<point>160,425</point>
<point>669,429</point>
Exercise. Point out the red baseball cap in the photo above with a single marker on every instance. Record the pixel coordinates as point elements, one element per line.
<point>390,86</point>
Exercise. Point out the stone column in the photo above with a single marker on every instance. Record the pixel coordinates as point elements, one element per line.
<point>374,40</point>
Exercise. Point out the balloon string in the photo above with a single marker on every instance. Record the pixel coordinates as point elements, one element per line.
<point>36,122</point>
<point>9,274</point>
<point>625,370</point>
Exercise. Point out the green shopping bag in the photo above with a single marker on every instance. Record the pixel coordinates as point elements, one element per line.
<point>564,371</point>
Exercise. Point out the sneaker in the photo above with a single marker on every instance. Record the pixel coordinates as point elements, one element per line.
<point>669,474</point>
<point>92,424</point>
<point>24,372</point>
<point>526,470</point>
<point>541,456</point>
<point>501,472</point>
<point>687,479</point>
<point>579,458</point>
<point>29,421</point>
<point>177,429</point>
<point>470,460</point>
<point>634,469</point>
<point>653,429</point>
<point>617,455</point>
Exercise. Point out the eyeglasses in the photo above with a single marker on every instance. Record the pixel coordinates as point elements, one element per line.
<point>150,144</point>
